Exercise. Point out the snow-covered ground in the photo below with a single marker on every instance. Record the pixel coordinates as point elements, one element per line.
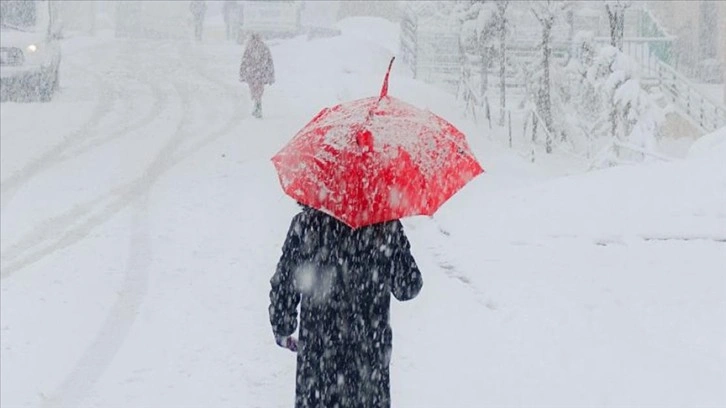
<point>715,92</point>
<point>142,220</point>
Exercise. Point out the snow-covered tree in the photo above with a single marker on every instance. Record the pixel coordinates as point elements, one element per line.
<point>606,102</point>
<point>427,8</point>
<point>583,98</point>
<point>501,24</point>
<point>546,12</point>
<point>616,17</point>
<point>483,23</point>
<point>597,84</point>
<point>636,114</point>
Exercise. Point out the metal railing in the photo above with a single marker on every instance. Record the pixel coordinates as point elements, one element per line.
<point>409,43</point>
<point>431,51</point>
<point>709,115</point>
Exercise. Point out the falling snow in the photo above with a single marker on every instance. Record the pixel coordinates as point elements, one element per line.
<point>152,254</point>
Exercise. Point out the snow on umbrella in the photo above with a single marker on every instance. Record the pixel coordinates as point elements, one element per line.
<point>374,160</point>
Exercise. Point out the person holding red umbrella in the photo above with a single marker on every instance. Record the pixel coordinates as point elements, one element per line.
<point>356,169</point>
<point>343,279</point>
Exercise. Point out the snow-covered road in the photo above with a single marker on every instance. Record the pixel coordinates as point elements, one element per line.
<point>85,180</point>
<point>142,219</point>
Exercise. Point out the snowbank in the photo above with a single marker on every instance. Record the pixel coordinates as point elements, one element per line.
<point>712,144</point>
<point>602,289</point>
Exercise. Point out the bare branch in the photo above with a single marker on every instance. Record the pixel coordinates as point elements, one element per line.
<point>537,16</point>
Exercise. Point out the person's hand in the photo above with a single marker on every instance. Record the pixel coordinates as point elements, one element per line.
<point>287,342</point>
<point>291,344</point>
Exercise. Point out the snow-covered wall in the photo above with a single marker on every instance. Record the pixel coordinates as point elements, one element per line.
<point>386,9</point>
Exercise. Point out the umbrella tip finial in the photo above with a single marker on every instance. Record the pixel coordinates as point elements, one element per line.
<point>384,90</point>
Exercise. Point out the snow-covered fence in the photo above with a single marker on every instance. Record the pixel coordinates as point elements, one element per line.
<point>408,42</point>
<point>648,52</point>
<point>474,101</point>
<point>484,74</point>
<point>707,114</point>
<point>538,122</point>
<point>431,48</point>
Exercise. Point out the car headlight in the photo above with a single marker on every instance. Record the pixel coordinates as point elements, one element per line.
<point>32,48</point>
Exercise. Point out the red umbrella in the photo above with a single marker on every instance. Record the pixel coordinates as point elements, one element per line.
<point>374,160</point>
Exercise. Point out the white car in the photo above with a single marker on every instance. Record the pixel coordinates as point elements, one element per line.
<point>29,49</point>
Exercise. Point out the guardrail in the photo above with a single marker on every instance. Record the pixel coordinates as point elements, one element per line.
<point>709,115</point>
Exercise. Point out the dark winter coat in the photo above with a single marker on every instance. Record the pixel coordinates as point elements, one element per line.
<point>343,279</point>
<point>257,66</point>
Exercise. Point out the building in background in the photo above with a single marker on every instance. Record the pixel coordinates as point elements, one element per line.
<point>270,18</point>
<point>317,13</point>
<point>700,28</point>
<point>386,9</point>
<point>78,16</point>
<point>158,19</point>
<point>138,18</point>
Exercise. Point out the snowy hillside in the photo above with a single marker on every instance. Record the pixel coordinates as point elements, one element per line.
<point>142,220</point>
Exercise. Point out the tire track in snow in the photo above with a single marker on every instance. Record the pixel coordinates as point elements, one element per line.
<point>57,225</point>
<point>64,151</point>
<point>73,225</point>
<point>131,54</point>
<point>111,337</point>
<point>104,106</point>
<point>160,99</point>
<point>119,321</point>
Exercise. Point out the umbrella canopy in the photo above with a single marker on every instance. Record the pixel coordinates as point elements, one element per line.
<point>374,160</point>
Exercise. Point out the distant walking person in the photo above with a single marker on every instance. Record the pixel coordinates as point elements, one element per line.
<point>198,9</point>
<point>257,70</point>
<point>230,13</point>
